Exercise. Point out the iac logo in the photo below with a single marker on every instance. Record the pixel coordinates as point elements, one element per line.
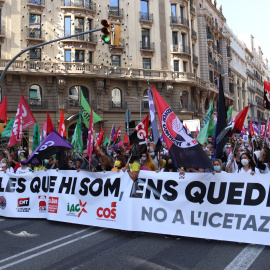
<point>107,213</point>
<point>76,210</point>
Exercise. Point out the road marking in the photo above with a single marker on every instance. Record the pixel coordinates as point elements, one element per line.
<point>50,249</point>
<point>43,245</point>
<point>245,258</point>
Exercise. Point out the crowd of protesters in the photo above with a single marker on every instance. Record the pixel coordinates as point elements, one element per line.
<point>239,156</point>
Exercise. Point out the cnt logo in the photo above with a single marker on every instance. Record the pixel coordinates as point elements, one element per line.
<point>22,205</point>
<point>107,213</point>
<point>76,210</point>
<point>3,202</point>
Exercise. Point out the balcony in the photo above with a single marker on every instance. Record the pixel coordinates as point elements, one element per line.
<point>231,88</point>
<point>217,67</point>
<point>181,49</point>
<point>35,5</point>
<point>179,20</point>
<point>211,61</point>
<point>195,59</point>
<point>145,16</point>
<point>251,87</point>
<point>82,40</point>
<point>38,104</point>
<point>117,105</point>
<point>229,53</point>
<point>116,12</point>
<point>85,4</point>
<point>260,104</point>
<point>252,102</point>
<point>35,34</point>
<point>192,9</point>
<point>193,34</point>
<point>151,73</point>
<point>36,2</point>
<point>148,46</point>
<point>210,38</point>
<point>229,73</point>
<point>2,34</point>
<point>259,91</point>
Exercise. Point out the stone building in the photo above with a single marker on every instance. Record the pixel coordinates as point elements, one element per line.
<point>165,43</point>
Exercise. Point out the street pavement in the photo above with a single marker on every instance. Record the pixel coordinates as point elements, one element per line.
<point>41,244</point>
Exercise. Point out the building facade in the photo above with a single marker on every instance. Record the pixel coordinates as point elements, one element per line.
<point>165,43</point>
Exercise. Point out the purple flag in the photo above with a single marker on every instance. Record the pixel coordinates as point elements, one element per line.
<point>162,138</point>
<point>153,121</point>
<point>256,128</point>
<point>52,144</point>
<point>243,131</point>
<point>112,132</point>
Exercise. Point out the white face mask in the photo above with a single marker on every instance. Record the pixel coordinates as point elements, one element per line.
<point>46,161</point>
<point>244,162</point>
<point>143,158</point>
<point>3,164</point>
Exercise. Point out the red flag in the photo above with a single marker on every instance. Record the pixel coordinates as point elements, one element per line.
<point>3,110</point>
<point>50,126</point>
<point>251,129</point>
<point>62,128</point>
<point>28,119</point>
<point>44,130</point>
<point>120,144</point>
<point>197,132</point>
<point>99,139</point>
<point>244,130</point>
<point>126,141</point>
<point>239,120</point>
<point>117,134</point>
<point>16,135</point>
<point>90,137</point>
<point>183,149</point>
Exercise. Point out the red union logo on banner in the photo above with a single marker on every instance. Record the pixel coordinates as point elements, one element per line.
<point>107,213</point>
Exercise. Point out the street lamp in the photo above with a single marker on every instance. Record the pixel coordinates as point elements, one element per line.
<point>140,107</point>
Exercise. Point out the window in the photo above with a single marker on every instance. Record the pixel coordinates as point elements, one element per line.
<point>79,56</point>
<point>67,3</point>
<point>144,10</point>
<point>211,76</point>
<point>90,57</point>
<point>184,100</point>
<point>35,25</point>
<point>146,63</point>
<point>173,14</point>
<point>36,2</point>
<point>175,38</point>
<point>206,106</point>
<point>183,42</point>
<point>78,3</point>
<point>181,14</point>
<point>184,66</point>
<point>116,60</point>
<point>79,27</point>
<point>176,65</point>
<point>75,95</point>
<point>145,38</point>
<point>0,51</point>
<point>145,99</point>
<point>67,26</point>
<point>35,55</point>
<point>116,98</point>
<point>67,55</point>
<point>114,7</point>
<point>35,95</point>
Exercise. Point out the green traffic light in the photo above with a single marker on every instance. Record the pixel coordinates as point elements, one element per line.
<point>105,38</point>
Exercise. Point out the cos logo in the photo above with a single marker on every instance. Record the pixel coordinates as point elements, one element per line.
<point>107,213</point>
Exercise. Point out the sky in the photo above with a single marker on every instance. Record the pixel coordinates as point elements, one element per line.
<point>249,17</point>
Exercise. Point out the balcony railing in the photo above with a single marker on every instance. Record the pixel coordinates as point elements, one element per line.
<point>229,53</point>
<point>117,105</point>
<point>38,103</point>
<point>36,2</point>
<point>151,73</point>
<point>88,4</point>
<point>250,86</point>
<point>115,11</point>
<point>192,9</point>
<point>193,33</point>
<point>91,37</point>
<point>231,88</point>
<point>217,67</point>
<point>181,48</point>
<point>179,20</point>
<point>195,58</point>
<point>260,91</point>
<point>147,46</point>
<point>35,33</point>
<point>145,16</point>
<point>210,36</point>
<point>211,61</point>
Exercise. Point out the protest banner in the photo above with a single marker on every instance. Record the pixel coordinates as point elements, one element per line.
<point>226,207</point>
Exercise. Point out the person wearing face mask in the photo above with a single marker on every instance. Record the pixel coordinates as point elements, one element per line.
<point>146,161</point>
<point>234,160</point>
<point>169,166</point>
<point>119,163</point>
<point>247,165</point>
<point>4,166</point>
<point>24,167</point>
<point>217,166</point>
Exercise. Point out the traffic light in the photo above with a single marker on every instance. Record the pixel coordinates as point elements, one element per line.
<point>117,35</point>
<point>106,30</point>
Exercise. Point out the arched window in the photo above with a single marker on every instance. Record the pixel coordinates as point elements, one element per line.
<point>206,104</point>
<point>145,99</point>
<point>35,97</point>
<point>75,95</point>
<point>116,98</point>
<point>184,100</point>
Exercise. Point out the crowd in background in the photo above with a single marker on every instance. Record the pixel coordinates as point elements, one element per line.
<point>239,156</point>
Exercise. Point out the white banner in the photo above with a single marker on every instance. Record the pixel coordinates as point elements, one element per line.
<point>232,207</point>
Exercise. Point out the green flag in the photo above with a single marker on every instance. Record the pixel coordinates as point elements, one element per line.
<point>208,126</point>
<point>229,114</point>
<point>77,139</point>
<point>36,138</point>
<point>86,111</point>
<point>8,129</point>
<point>107,141</point>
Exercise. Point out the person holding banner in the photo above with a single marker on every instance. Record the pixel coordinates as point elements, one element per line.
<point>247,165</point>
<point>234,160</point>
<point>217,166</point>
<point>134,167</point>
<point>24,168</point>
<point>5,166</point>
<point>147,162</point>
<point>119,163</point>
